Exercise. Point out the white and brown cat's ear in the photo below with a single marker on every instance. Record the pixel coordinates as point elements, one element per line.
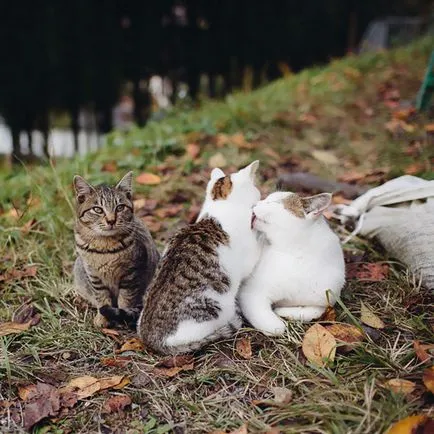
<point>126,184</point>
<point>217,173</point>
<point>314,206</point>
<point>82,188</point>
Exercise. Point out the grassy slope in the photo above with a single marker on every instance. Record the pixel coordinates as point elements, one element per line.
<point>337,109</point>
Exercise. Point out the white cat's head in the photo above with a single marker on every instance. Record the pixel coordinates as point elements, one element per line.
<point>238,187</point>
<point>288,211</point>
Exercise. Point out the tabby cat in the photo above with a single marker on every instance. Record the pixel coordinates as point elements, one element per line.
<point>192,298</point>
<point>117,256</point>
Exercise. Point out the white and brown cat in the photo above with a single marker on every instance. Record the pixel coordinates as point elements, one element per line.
<point>301,259</point>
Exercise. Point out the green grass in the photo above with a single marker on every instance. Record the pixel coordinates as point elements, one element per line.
<point>337,109</point>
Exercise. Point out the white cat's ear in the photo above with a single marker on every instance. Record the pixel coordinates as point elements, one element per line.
<point>82,188</point>
<point>252,168</point>
<point>314,206</point>
<point>126,184</point>
<point>217,174</point>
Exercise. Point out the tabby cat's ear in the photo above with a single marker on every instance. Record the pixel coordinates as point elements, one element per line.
<point>313,206</point>
<point>82,188</point>
<point>217,174</point>
<point>126,184</point>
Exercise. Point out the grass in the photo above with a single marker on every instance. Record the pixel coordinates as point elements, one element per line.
<point>339,109</point>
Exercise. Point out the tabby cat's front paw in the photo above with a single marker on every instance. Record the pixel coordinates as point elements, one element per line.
<point>100,320</point>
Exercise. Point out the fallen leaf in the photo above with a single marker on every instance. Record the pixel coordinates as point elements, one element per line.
<point>282,395</point>
<point>351,177</point>
<point>244,348</point>
<point>45,402</point>
<point>124,382</point>
<point>339,199</point>
<point>171,210</point>
<point>14,274</point>
<point>110,166</point>
<point>27,392</point>
<point>429,128</point>
<point>415,168</point>
<point>319,345</point>
<point>133,344</point>
<point>369,318</point>
<point>241,430</point>
<point>428,378</point>
<point>217,160</point>
<point>240,141</point>
<point>329,315</point>
<point>25,313</point>
<point>116,404</point>
<point>369,272</point>
<point>412,425</point>
<point>9,328</point>
<point>346,333</point>
<point>404,114</point>
<point>420,350</point>
<point>221,140</point>
<point>325,157</point>
<point>173,365</point>
<point>87,385</point>
<point>396,126</point>
<point>192,150</point>
<point>398,385</point>
<point>118,362</point>
<point>152,224</point>
<point>148,179</point>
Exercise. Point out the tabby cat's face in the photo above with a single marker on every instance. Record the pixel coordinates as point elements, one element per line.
<point>107,211</point>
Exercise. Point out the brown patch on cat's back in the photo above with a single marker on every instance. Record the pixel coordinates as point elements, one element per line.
<point>222,188</point>
<point>294,205</point>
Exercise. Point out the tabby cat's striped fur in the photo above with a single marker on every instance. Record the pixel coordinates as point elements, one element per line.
<point>117,256</point>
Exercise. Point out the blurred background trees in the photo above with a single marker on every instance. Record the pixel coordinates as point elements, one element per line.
<point>83,55</point>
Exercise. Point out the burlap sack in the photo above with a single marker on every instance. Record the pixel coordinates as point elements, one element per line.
<point>400,214</point>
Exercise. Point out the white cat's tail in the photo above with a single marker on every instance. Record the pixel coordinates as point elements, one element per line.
<point>224,332</point>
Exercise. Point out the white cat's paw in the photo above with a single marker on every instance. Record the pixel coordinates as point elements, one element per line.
<point>274,329</point>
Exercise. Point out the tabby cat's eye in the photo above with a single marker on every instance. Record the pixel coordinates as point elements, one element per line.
<point>120,208</point>
<point>97,209</point>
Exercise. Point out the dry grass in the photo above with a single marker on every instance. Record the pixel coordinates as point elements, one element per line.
<point>224,391</point>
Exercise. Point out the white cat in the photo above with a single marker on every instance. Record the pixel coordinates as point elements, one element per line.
<point>192,299</point>
<point>301,259</point>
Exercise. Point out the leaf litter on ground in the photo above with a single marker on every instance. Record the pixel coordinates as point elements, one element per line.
<point>319,345</point>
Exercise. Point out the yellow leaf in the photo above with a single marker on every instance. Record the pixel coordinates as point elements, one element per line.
<point>133,344</point>
<point>244,348</point>
<point>319,345</point>
<point>400,386</point>
<point>9,328</point>
<point>124,382</point>
<point>409,425</point>
<point>148,179</point>
<point>369,318</point>
<point>428,378</point>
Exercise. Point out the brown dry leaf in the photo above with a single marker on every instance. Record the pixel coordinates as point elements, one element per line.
<point>14,274</point>
<point>114,334</point>
<point>428,378</point>
<point>346,333</point>
<point>113,382</point>
<point>192,150</point>
<point>420,350</point>
<point>116,404</point>
<point>152,224</point>
<point>133,344</point>
<point>9,328</point>
<point>124,382</point>
<point>171,210</point>
<point>412,425</point>
<point>397,126</point>
<point>148,179</point>
<point>282,395</point>
<point>25,313</point>
<point>244,347</point>
<point>326,157</point>
<point>339,199</point>
<point>415,168</point>
<point>329,315</point>
<point>27,392</point>
<point>87,386</point>
<point>217,160</point>
<point>118,362</point>
<point>369,272</point>
<point>398,385</point>
<point>173,365</point>
<point>110,166</point>
<point>44,402</point>
<point>404,114</point>
<point>351,177</point>
<point>241,430</point>
<point>429,128</point>
<point>240,141</point>
<point>221,140</point>
<point>369,318</point>
<point>319,345</point>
